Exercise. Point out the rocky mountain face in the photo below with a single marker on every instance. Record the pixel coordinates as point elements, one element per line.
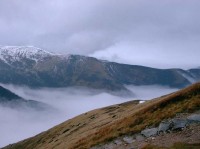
<point>38,68</point>
<point>11,100</point>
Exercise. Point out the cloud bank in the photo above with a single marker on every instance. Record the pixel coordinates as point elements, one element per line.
<point>153,33</point>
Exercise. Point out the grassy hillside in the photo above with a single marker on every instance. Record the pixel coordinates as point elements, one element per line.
<point>104,124</point>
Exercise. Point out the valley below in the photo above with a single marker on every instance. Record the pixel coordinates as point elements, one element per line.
<point>117,125</point>
<point>65,104</point>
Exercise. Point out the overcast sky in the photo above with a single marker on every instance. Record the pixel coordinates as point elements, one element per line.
<point>157,33</point>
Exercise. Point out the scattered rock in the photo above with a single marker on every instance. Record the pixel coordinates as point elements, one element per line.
<point>139,137</point>
<point>149,132</point>
<point>118,142</point>
<point>178,123</point>
<point>164,126</point>
<point>128,139</point>
<point>194,118</point>
<point>132,146</point>
<point>95,147</point>
<point>109,146</point>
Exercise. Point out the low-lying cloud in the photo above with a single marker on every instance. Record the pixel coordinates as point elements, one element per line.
<point>68,102</point>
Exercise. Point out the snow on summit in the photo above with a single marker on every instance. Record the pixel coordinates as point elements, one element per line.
<point>16,53</point>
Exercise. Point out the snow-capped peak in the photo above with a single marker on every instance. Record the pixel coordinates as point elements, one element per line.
<point>16,53</point>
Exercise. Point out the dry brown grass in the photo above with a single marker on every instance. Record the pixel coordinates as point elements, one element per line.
<point>104,124</point>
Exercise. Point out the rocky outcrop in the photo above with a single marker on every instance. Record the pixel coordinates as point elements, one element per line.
<point>194,118</point>
<point>166,126</point>
<point>128,139</point>
<point>179,123</point>
<point>150,132</point>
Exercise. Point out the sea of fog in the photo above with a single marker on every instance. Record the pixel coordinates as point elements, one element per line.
<point>16,125</point>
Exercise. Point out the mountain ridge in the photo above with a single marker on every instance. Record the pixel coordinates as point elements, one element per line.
<point>45,69</point>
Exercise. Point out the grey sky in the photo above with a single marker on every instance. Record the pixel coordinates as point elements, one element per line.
<point>145,32</point>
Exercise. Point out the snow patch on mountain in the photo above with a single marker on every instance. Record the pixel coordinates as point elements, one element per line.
<point>15,53</point>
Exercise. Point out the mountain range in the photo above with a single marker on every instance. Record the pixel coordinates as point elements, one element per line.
<point>35,67</point>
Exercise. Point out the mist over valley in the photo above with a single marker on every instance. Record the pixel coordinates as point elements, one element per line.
<point>65,103</point>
